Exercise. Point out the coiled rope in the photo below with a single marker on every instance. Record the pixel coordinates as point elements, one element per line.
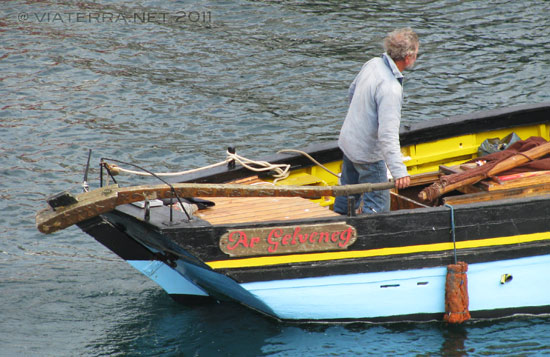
<point>281,170</point>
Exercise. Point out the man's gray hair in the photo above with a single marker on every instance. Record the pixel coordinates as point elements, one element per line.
<point>401,43</point>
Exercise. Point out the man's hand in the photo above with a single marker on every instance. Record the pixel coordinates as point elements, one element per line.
<point>402,182</point>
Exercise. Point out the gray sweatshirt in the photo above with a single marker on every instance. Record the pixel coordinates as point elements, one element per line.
<point>370,131</point>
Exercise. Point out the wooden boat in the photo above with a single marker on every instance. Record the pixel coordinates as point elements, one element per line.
<point>292,258</point>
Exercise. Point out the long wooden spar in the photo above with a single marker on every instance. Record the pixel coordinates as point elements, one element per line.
<point>102,200</point>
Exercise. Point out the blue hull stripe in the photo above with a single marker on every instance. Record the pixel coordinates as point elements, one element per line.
<point>369,295</point>
<point>169,279</point>
<point>409,292</point>
<point>222,287</point>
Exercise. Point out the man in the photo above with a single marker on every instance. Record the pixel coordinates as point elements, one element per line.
<point>369,137</point>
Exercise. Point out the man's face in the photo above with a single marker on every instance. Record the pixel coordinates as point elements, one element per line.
<point>411,59</point>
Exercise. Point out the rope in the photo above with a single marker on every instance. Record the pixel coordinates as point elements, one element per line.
<point>115,169</point>
<point>281,170</point>
<point>174,193</point>
<point>311,158</point>
<point>453,228</point>
<point>456,285</point>
<point>456,294</point>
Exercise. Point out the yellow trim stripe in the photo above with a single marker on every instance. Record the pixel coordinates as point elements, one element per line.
<point>314,257</point>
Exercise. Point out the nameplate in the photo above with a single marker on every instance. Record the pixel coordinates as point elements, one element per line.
<point>287,239</point>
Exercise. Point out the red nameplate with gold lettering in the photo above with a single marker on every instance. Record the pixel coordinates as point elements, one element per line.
<point>287,239</point>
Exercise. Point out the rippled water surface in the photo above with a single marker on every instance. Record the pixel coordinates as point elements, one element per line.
<point>168,85</point>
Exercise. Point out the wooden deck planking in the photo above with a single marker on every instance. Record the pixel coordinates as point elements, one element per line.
<point>260,209</point>
<point>230,210</point>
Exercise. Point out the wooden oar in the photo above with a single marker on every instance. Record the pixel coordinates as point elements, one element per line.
<point>438,189</point>
<point>103,200</point>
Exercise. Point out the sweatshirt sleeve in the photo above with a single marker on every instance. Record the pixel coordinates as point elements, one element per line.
<point>351,90</point>
<point>389,99</point>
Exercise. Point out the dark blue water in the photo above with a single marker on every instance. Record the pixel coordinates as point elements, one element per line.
<point>168,85</point>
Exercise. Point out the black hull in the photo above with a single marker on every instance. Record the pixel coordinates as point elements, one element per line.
<point>405,240</point>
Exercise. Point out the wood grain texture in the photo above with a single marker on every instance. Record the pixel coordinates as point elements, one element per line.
<point>230,210</point>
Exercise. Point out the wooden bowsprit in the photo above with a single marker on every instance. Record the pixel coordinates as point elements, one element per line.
<point>91,204</point>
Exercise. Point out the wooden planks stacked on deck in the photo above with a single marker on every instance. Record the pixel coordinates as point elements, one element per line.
<point>528,184</point>
<point>229,210</point>
<point>516,181</point>
<point>520,192</point>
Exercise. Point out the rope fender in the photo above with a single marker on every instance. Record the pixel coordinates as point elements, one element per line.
<point>456,294</point>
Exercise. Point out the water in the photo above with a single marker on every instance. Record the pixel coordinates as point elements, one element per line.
<point>168,85</point>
